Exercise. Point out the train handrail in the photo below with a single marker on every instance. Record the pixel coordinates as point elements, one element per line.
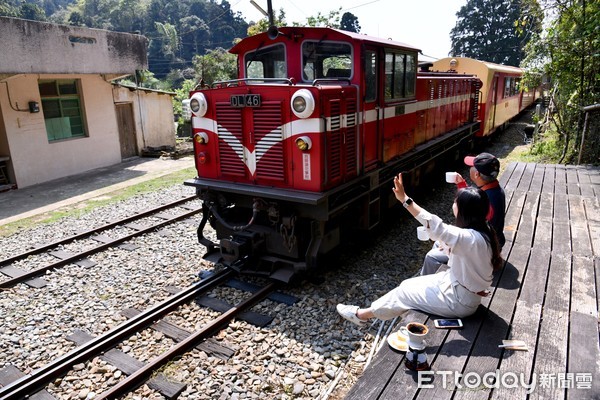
<point>289,81</point>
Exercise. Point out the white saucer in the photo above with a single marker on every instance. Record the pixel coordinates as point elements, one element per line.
<point>398,341</point>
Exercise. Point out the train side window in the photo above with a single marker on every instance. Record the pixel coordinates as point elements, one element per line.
<point>326,59</point>
<point>266,62</point>
<point>400,75</point>
<point>370,76</point>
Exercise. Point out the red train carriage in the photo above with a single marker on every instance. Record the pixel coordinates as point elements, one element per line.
<point>304,145</point>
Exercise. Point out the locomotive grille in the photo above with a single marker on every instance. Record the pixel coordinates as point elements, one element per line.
<point>230,139</point>
<point>270,162</point>
<point>351,137</point>
<point>335,141</point>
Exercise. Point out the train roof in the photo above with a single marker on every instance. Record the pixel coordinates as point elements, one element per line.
<point>297,33</point>
<point>471,65</point>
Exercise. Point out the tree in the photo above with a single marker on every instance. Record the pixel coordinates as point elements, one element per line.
<point>487,30</point>
<point>331,21</point>
<point>32,11</point>
<point>569,53</point>
<point>350,23</point>
<point>216,65</point>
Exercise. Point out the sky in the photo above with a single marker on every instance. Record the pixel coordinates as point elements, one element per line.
<point>424,24</point>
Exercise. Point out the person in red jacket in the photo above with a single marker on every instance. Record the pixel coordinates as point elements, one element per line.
<point>484,171</point>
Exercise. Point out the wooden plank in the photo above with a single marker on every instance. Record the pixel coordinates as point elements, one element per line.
<point>129,365</point>
<point>507,173</point>
<point>61,254</point>
<point>592,209</point>
<point>452,356</point>
<point>513,214</point>
<point>383,367</point>
<point>10,373</point>
<point>526,178</point>
<point>14,272</point>
<point>404,382</point>
<point>209,346</point>
<point>525,323</point>
<point>560,179</point>
<point>580,242</point>
<point>549,173</point>
<point>85,263</point>
<point>515,177</point>
<point>551,350</point>
<point>252,288</point>
<point>585,183</point>
<point>251,317</point>
<point>538,179</point>
<point>561,239</point>
<point>561,207</point>
<point>584,349</point>
<point>102,239</point>
<point>572,181</point>
<point>525,231</point>
<point>546,209</point>
<point>486,355</point>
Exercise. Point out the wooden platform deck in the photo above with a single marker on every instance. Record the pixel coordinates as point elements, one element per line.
<point>546,295</point>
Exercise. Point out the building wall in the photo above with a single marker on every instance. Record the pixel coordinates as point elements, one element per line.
<point>41,47</point>
<point>153,113</point>
<point>33,158</point>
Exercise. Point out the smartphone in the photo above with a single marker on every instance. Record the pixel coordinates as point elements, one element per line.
<point>448,323</point>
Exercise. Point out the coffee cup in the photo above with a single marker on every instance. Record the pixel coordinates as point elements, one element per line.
<point>416,333</point>
<point>451,177</point>
<point>422,233</point>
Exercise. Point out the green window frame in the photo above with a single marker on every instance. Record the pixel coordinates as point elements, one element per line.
<point>61,106</point>
<point>400,75</point>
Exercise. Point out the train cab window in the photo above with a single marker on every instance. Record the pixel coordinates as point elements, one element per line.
<point>400,75</point>
<point>268,62</point>
<point>370,76</point>
<point>326,60</point>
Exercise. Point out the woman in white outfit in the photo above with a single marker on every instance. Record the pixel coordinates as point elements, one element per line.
<point>456,291</point>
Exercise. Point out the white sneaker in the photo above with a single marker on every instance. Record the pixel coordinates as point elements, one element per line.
<point>349,313</point>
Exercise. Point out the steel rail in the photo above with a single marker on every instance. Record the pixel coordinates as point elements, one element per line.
<point>41,377</point>
<point>140,376</point>
<point>38,271</point>
<point>81,235</point>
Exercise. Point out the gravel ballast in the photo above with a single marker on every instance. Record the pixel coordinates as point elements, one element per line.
<point>307,352</point>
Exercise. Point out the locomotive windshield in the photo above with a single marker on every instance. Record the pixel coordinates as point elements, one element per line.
<point>326,60</point>
<point>266,62</point>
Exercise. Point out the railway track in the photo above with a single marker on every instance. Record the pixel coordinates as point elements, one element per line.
<point>31,384</point>
<point>16,275</point>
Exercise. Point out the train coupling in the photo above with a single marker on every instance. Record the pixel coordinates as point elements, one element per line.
<point>242,245</point>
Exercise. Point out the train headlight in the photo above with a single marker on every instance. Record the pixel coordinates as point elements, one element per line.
<point>304,143</point>
<point>201,138</point>
<point>198,104</point>
<point>303,103</point>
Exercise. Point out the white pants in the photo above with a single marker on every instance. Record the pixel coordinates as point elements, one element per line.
<point>434,294</point>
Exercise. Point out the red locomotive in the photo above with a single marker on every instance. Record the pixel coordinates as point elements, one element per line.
<point>305,144</point>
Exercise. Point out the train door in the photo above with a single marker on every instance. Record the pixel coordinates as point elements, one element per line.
<point>493,100</point>
<point>372,118</point>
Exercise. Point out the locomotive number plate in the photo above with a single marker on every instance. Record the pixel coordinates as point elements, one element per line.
<point>245,100</point>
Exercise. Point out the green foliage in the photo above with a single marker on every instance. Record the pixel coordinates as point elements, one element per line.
<point>216,65</point>
<point>331,21</point>
<point>350,23</point>
<point>182,93</point>
<point>263,24</point>
<point>494,30</point>
<point>569,53</point>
